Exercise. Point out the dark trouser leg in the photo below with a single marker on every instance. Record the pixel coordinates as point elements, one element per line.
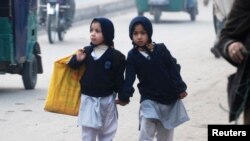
<point>247,113</point>
<point>70,12</point>
<point>42,13</point>
<point>218,25</point>
<point>191,3</point>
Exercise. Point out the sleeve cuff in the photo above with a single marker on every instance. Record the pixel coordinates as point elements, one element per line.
<point>123,98</point>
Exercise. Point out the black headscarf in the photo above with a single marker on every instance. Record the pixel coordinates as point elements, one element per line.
<point>146,23</point>
<point>108,30</point>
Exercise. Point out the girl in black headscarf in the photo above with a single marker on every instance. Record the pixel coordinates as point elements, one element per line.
<point>160,83</point>
<point>103,78</point>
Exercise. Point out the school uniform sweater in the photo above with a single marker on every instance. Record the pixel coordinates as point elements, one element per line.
<point>159,76</point>
<point>102,77</point>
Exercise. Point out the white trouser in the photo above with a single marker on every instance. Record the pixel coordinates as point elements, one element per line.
<point>150,127</point>
<point>104,134</point>
<point>98,118</point>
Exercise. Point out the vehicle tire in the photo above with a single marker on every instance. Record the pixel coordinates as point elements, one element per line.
<point>51,28</point>
<point>29,73</point>
<point>157,15</point>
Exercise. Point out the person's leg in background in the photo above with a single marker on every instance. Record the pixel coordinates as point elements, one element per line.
<point>70,12</point>
<point>218,25</point>
<point>191,3</point>
<point>42,13</point>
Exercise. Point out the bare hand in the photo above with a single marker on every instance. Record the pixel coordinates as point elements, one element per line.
<point>235,51</point>
<point>183,95</point>
<point>80,55</point>
<point>118,101</point>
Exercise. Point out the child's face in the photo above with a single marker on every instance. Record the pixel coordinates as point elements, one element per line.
<point>140,36</point>
<point>96,35</point>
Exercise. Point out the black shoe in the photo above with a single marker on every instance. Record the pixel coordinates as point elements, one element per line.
<point>216,52</point>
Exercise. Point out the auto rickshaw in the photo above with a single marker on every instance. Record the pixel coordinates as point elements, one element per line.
<point>19,50</point>
<point>156,7</point>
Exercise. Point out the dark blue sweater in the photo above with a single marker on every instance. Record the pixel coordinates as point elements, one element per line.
<point>159,77</point>
<point>103,76</point>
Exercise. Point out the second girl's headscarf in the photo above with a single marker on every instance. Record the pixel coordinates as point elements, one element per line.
<point>148,28</point>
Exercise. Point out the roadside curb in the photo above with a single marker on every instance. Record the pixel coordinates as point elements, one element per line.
<point>102,9</point>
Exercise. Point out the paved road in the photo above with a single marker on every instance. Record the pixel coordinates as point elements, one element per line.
<point>22,117</point>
